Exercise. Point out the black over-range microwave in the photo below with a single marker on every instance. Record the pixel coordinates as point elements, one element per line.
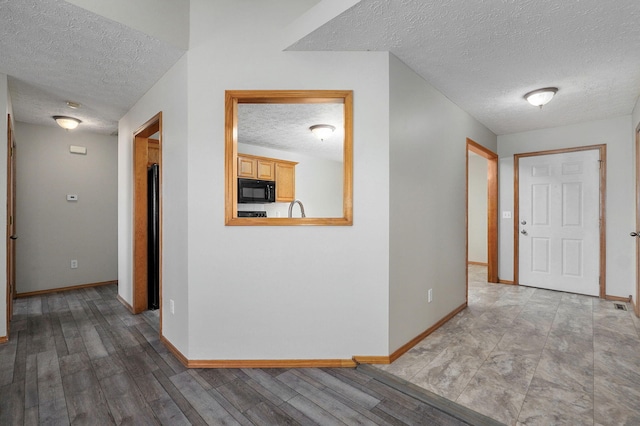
<point>256,191</point>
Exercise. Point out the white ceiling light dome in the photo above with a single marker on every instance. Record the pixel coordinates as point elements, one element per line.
<point>541,97</point>
<point>67,123</point>
<point>322,131</point>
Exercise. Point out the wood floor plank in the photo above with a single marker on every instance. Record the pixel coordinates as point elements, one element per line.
<point>8,361</point>
<point>313,411</point>
<point>20,361</point>
<point>80,357</point>
<point>58,337</point>
<point>12,400</point>
<point>349,392</point>
<point>150,388</point>
<point>107,366</point>
<point>270,383</point>
<point>229,408</point>
<point>179,399</point>
<point>168,413</point>
<point>264,392</point>
<point>31,382</point>
<point>54,412</point>
<point>210,410</point>
<point>323,400</point>
<point>240,395</point>
<point>267,414</point>
<point>73,363</point>
<point>88,408</point>
<point>49,378</point>
<point>219,376</point>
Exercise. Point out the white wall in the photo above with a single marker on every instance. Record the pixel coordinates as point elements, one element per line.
<point>427,203</point>
<point>616,133</point>
<point>478,220</point>
<point>309,302</point>
<point>5,107</point>
<point>318,184</point>
<point>169,95</point>
<point>53,230</point>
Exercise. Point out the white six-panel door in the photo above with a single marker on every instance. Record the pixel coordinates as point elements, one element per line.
<point>559,214</point>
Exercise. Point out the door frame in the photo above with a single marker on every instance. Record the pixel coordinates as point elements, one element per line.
<point>603,209</point>
<point>492,209</point>
<point>636,303</point>
<point>140,209</point>
<point>11,221</point>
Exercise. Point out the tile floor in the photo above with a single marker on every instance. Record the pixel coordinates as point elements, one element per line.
<point>528,356</point>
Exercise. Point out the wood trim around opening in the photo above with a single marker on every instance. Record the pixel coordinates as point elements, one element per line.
<point>140,207</point>
<point>492,207</point>
<point>235,97</point>
<point>603,197</point>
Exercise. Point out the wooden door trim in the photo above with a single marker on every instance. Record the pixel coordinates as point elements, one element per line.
<point>11,187</point>
<point>603,208</point>
<point>140,207</point>
<point>492,208</point>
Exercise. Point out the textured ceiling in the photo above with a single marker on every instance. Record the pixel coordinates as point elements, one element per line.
<point>286,127</point>
<point>54,51</point>
<point>485,55</point>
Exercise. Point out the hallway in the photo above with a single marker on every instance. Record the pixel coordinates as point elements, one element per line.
<point>528,356</point>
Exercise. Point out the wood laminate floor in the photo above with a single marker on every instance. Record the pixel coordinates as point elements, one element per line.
<point>79,357</point>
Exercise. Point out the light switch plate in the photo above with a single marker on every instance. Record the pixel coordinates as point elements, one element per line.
<point>506,215</point>
<point>72,197</point>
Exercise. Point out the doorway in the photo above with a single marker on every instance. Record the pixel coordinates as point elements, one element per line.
<point>559,220</point>
<point>474,148</point>
<point>147,216</point>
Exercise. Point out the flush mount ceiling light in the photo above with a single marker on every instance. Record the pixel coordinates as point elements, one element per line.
<point>541,97</point>
<point>322,131</point>
<point>67,123</point>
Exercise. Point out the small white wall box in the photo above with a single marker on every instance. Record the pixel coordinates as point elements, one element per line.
<point>72,197</point>
<point>78,149</point>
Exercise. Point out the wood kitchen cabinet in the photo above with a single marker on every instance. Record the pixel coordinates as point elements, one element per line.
<point>264,168</point>
<point>285,181</point>
<point>250,167</point>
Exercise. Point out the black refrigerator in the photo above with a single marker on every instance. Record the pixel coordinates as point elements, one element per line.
<point>153,262</point>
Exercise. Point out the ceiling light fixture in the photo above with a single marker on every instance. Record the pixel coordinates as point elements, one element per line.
<point>541,97</point>
<point>322,131</point>
<point>67,123</point>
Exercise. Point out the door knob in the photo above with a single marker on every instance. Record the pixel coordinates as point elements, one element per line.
<point>524,222</point>
<point>524,232</point>
<point>635,234</point>
<point>14,237</point>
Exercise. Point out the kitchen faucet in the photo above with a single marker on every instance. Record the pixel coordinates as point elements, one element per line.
<point>301,207</point>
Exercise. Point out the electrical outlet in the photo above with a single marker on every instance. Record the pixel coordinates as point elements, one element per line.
<point>74,264</point>
<point>430,295</point>
<point>172,306</point>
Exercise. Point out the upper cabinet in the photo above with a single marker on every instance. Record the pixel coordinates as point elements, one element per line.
<point>281,171</point>
<point>285,181</point>
<point>251,167</point>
